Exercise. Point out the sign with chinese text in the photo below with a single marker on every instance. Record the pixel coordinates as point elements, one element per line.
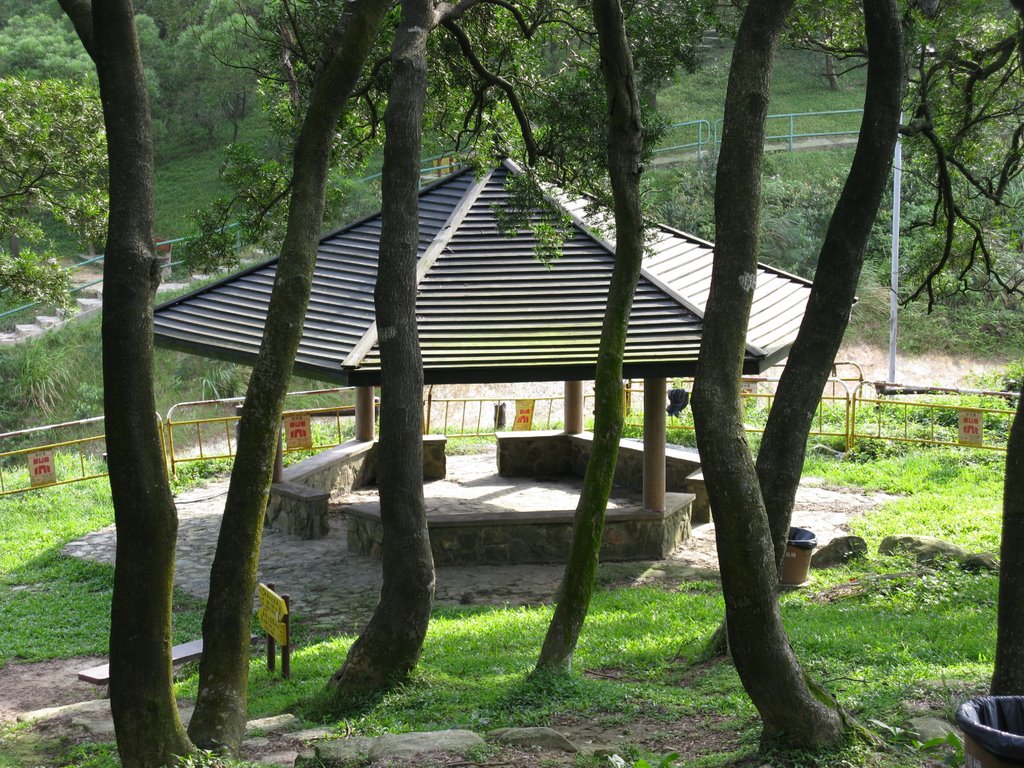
<point>298,433</point>
<point>524,415</point>
<point>41,470</point>
<point>972,428</point>
<point>273,610</point>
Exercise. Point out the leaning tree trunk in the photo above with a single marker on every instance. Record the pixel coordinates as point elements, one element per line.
<point>783,446</point>
<point>1008,676</point>
<point>625,140</point>
<point>390,644</point>
<point>769,670</point>
<point>219,718</point>
<point>146,722</point>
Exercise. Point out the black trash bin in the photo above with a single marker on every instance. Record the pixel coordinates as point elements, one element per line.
<point>993,729</point>
<point>797,561</point>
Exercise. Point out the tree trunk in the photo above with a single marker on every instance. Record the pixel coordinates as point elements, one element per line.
<point>1008,676</point>
<point>783,446</point>
<point>830,72</point>
<point>390,645</point>
<point>145,713</point>
<point>625,138</point>
<point>769,670</point>
<point>219,718</point>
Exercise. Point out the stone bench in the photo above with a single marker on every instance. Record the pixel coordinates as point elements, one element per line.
<point>506,537</point>
<point>298,510</point>
<point>701,505</point>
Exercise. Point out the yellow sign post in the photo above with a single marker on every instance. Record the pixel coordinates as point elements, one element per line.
<point>274,618</point>
<point>971,427</point>
<point>40,468</point>
<point>524,416</point>
<point>297,431</point>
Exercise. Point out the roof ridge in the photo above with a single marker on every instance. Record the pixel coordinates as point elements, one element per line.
<point>423,264</point>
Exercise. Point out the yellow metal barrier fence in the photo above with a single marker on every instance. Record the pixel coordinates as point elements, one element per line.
<point>483,416</point>
<point>56,462</point>
<point>940,420</point>
<point>211,437</point>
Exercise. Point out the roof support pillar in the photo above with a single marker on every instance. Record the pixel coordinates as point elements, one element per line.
<point>364,414</point>
<point>654,445</point>
<point>573,407</point>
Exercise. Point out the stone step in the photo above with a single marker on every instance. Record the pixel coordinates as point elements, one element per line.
<point>88,307</point>
<point>28,331</point>
<point>49,321</point>
<point>92,292</point>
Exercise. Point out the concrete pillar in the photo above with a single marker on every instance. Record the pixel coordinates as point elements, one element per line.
<point>364,414</point>
<point>654,445</point>
<point>573,407</point>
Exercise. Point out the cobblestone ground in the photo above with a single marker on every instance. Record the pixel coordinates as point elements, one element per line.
<point>332,588</point>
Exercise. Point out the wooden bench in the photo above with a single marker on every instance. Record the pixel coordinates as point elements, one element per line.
<point>190,651</point>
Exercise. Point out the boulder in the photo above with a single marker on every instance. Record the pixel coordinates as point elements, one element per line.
<point>405,746</point>
<point>275,724</point>
<point>839,551</point>
<point>922,548</point>
<point>336,753</point>
<point>928,728</point>
<point>541,738</point>
<point>980,561</point>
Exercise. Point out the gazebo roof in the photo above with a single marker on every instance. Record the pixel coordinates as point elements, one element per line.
<point>487,309</point>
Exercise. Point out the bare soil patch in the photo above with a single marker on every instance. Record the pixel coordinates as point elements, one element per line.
<point>27,686</point>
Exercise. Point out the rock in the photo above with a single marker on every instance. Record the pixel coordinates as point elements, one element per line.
<point>542,738</point>
<point>404,746</point>
<point>285,757</point>
<point>336,753</point>
<point>275,724</point>
<point>980,561</point>
<point>923,548</point>
<point>85,709</point>
<point>839,551</point>
<point>928,728</point>
<point>312,734</point>
<point>256,743</point>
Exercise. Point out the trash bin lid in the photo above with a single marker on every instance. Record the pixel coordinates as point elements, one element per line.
<point>996,723</point>
<point>801,538</point>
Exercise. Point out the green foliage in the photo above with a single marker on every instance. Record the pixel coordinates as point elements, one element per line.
<point>37,45</point>
<point>54,150</point>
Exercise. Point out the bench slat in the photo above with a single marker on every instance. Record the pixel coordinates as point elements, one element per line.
<point>100,675</point>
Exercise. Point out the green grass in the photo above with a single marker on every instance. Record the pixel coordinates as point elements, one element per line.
<point>926,635</point>
<point>55,606</point>
<point>954,494</point>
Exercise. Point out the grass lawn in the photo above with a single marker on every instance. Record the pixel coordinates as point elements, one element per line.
<point>926,637</point>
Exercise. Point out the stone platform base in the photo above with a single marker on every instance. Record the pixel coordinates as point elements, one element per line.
<point>507,536</point>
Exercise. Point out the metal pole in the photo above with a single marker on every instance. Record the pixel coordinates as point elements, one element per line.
<point>894,277</point>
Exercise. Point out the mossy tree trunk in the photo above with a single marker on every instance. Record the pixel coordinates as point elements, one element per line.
<point>789,709</point>
<point>780,460</point>
<point>390,644</point>
<point>625,139</point>
<point>146,723</point>
<point>220,714</point>
<point>1008,675</point>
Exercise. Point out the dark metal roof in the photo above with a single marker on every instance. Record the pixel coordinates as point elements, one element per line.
<point>487,309</point>
<point>682,263</point>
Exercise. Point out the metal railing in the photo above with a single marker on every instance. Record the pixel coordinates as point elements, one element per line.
<point>53,462</point>
<point>846,414</point>
<point>213,437</point>
<point>789,128</point>
<point>908,419</point>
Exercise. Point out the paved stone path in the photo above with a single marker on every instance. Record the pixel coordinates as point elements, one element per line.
<point>334,589</point>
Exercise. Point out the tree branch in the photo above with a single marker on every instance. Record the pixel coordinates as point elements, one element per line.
<point>80,14</point>
<point>496,80</point>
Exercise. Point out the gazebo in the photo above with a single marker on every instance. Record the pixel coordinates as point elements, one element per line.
<point>489,311</point>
